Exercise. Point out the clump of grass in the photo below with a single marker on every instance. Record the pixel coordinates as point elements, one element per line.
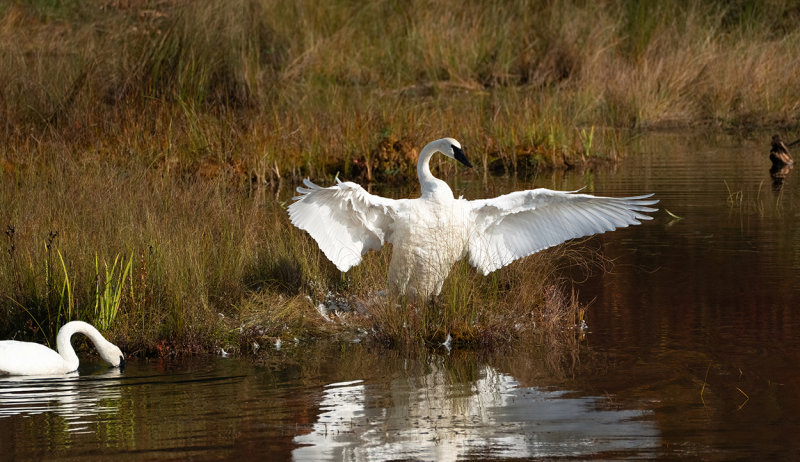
<point>109,298</point>
<point>749,202</point>
<point>267,319</point>
<point>527,298</point>
<point>44,307</point>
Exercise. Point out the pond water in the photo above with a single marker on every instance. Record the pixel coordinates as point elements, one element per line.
<point>692,350</point>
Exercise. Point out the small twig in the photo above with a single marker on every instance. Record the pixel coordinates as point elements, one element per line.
<point>702,390</point>
<point>747,398</point>
<point>675,217</point>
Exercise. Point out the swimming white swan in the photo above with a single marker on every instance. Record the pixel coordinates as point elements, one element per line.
<point>28,358</point>
<point>433,232</point>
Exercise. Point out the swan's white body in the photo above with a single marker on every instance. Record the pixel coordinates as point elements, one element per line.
<point>433,232</point>
<point>28,358</point>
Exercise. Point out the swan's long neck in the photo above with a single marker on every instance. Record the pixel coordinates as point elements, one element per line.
<point>65,334</point>
<point>423,164</point>
<point>429,184</point>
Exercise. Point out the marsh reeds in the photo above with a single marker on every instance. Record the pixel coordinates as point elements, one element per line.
<point>530,297</point>
<point>171,131</point>
<point>109,290</point>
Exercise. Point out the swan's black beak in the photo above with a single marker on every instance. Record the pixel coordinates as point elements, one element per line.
<point>459,156</point>
<point>122,363</point>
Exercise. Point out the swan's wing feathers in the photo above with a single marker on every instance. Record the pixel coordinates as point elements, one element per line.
<point>310,187</point>
<point>519,224</point>
<point>344,219</point>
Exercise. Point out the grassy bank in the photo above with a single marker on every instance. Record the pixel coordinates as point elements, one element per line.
<point>163,136</point>
<point>191,264</point>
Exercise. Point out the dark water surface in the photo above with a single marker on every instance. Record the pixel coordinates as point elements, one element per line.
<point>692,350</point>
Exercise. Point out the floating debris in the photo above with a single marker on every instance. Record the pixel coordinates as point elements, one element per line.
<point>448,342</point>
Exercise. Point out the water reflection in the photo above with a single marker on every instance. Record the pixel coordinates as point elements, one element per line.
<point>434,417</point>
<point>72,397</point>
<point>423,406</point>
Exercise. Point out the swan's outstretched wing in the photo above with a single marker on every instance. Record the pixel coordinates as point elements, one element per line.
<point>344,219</point>
<point>524,222</point>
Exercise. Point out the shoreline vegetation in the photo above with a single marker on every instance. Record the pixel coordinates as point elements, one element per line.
<point>148,149</point>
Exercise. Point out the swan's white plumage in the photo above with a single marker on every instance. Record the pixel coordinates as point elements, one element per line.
<point>522,223</point>
<point>431,233</point>
<point>28,358</point>
<point>345,220</point>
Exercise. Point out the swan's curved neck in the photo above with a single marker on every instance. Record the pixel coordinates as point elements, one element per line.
<point>64,345</point>
<point>429,184</point>
<point>423,163</point>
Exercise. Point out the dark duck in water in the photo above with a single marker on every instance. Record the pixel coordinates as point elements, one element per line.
<point>779,154</point>
<point>782,162</point>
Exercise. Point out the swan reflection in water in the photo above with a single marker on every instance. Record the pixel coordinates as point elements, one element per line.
<point>71,396</point>
<point>435,419</point>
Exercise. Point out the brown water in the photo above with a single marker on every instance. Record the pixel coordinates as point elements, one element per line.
<point>692,350</point>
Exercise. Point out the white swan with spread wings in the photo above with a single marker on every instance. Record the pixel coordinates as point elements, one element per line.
<point>431,233</point>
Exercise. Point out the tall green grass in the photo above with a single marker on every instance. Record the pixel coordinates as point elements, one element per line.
<point>108,293</point>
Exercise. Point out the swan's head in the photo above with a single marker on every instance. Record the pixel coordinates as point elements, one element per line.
<point>111,354</point>
<point>452,148</point>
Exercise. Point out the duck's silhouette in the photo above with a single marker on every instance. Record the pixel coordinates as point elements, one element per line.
<point>779,154</point>
<point>782,162</point>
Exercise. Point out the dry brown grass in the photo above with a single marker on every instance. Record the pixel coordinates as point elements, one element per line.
<point>530,297</point>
